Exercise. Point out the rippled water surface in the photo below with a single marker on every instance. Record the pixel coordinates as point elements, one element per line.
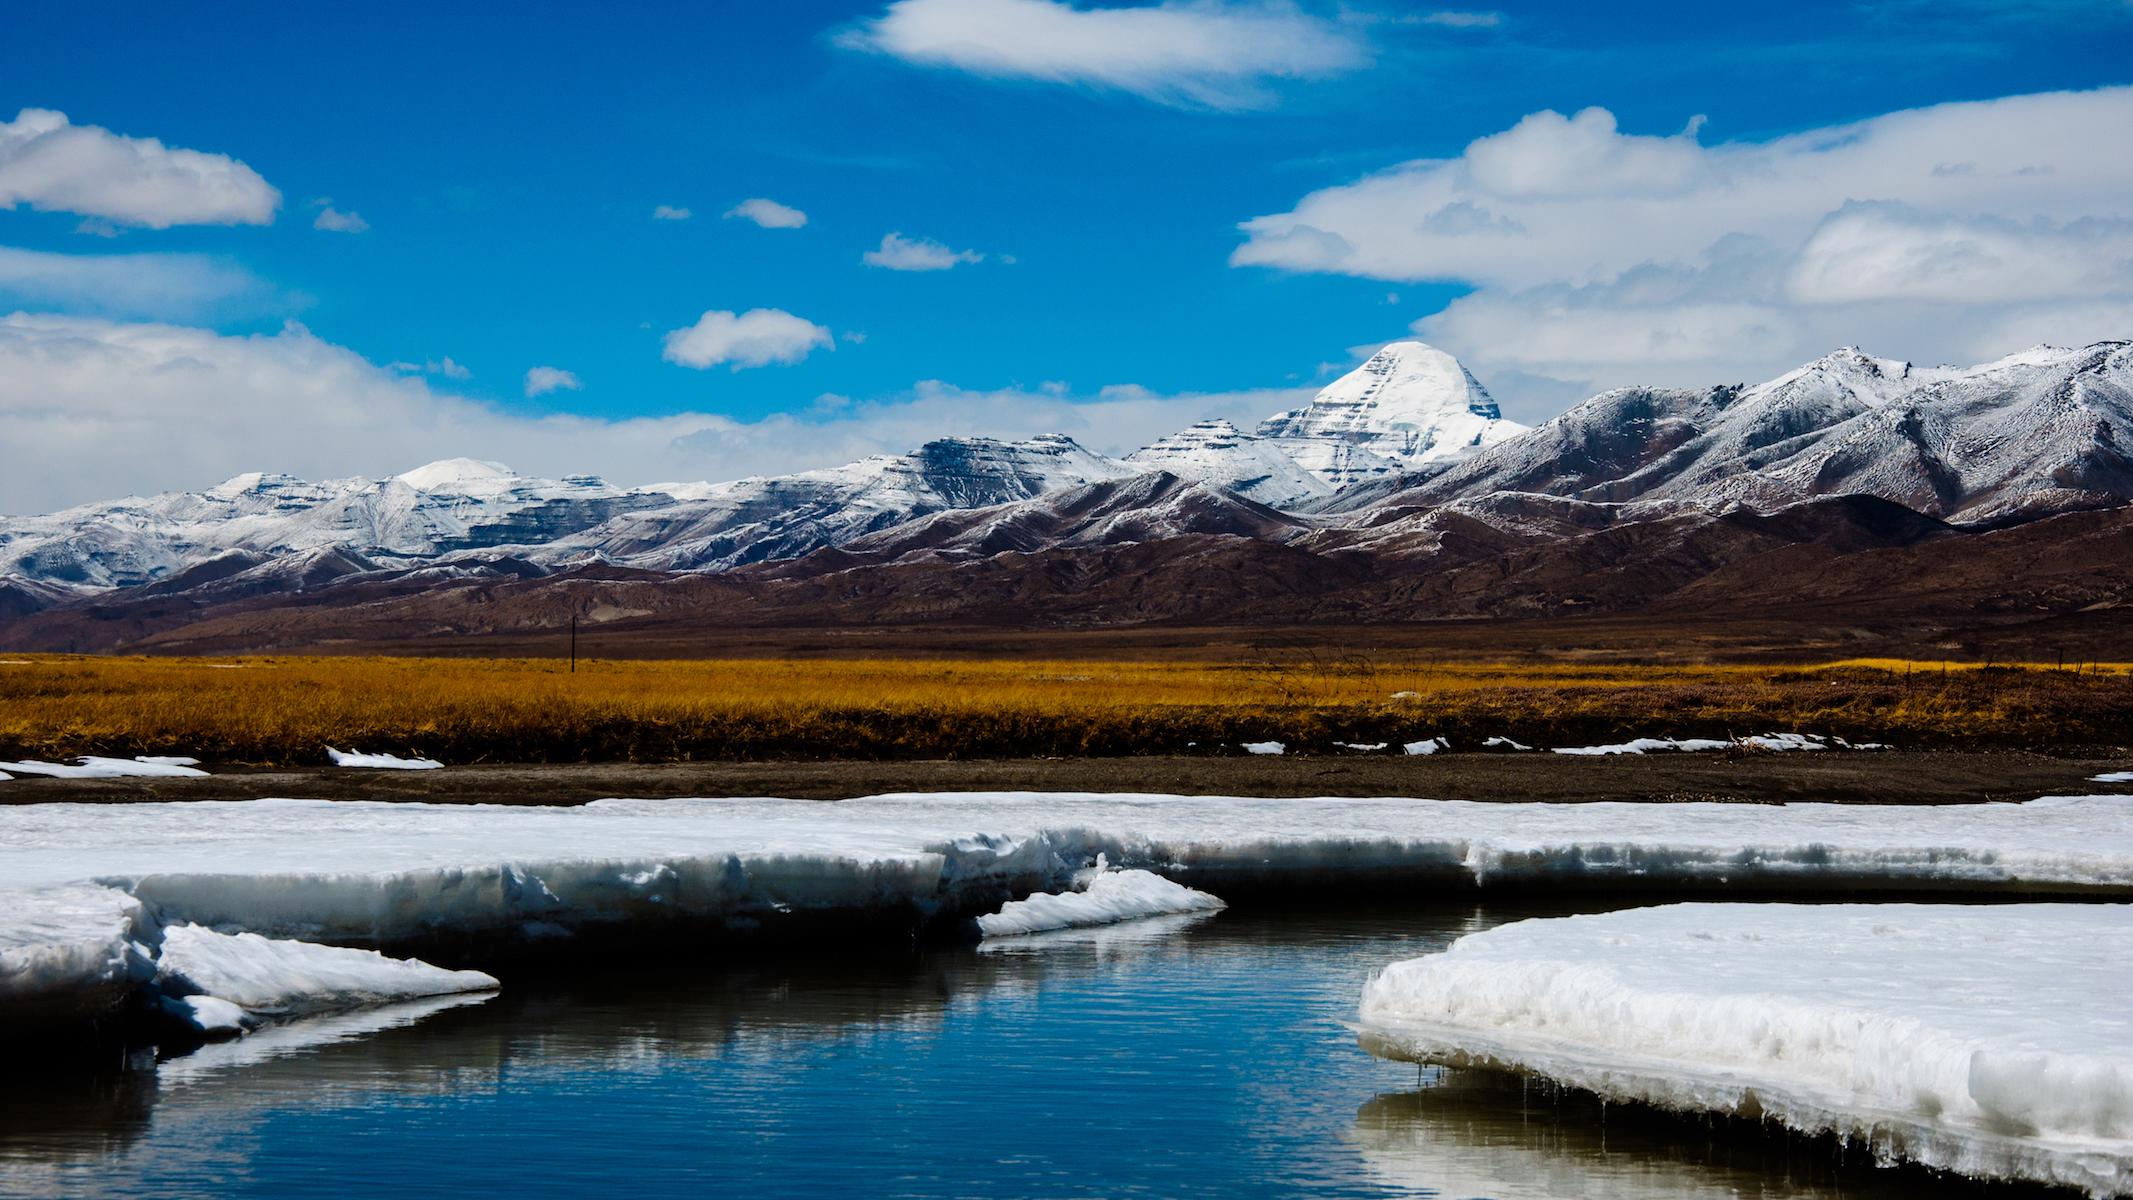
<point>1185,1057</point>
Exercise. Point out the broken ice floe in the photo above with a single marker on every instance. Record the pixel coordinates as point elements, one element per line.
<point>1104,897</point>
<point>279,977</point>
<point>1427,746</point>
<point>94,767</point>
<point>380,762</point>
<point>1917,1028</point>
<point>1266,748</point>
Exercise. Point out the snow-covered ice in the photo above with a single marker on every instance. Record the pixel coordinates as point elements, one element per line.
<point>279,976</point>
<point>1505,743</point>
<point>1105,898</point>
<point>380,762</point>
<point>1991,1040</point>
<point>387,875</point>
<point>2113,777</point>
<point>94,767</point>
<point>1427,746</point>
<point>1266,748</point>
<point>1779,742</point>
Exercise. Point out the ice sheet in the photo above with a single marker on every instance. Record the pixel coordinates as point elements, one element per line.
<point>1991,1040</point>
<point>380,874</point>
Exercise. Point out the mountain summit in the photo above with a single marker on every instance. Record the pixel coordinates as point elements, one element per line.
<point>1411,404</point>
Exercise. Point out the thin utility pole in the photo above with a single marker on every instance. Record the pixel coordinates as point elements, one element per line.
<point>573,643</point>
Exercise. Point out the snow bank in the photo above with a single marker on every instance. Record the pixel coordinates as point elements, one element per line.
<point>1929,1030</point>
<point>380,762</point>
<point>1779,742</point>
<point>281,977</point>
<point>92,767</point>
<point>1108,898</point>
<point>529,878</point>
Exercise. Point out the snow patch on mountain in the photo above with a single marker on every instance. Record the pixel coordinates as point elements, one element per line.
<point>1410,402</point>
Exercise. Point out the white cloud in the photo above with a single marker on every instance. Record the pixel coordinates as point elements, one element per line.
<point>1455,19</point>
<point>669,212</point>
<point>899,253</point>
<point>1208,53</point>
<point>164,286</point>
<point>92,409</point>
<point>333,220</point>
<point>542,380</point>
<point>1607,258</point>
<point>444,366</point>
<point>55,166</point>
<point>755,338</point>
<point>768,213</point>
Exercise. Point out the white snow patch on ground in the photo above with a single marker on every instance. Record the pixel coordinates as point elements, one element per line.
<point>93,767</point>
<point>278,976</point>
<point>2113,777</point>
<point>1363,747</point>
<point>1427,746</point>
<point>380,762</point>
<point>1506,743</point>
<point>1648,746</point>
<point>369,873</point>
<point>1993,1041</point>
<point>1266,748</point>
<point>1108,898</point>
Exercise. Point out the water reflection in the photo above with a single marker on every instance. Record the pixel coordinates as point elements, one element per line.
<point>1205,1056</point>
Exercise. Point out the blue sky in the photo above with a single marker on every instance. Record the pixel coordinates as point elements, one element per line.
<point>505,162</point>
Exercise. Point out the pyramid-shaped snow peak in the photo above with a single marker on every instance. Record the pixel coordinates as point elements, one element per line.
<point>1411,403</point>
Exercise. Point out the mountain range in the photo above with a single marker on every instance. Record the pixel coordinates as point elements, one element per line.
<point>1399,494</point>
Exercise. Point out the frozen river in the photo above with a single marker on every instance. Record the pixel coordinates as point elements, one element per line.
<point>1206,1055</point>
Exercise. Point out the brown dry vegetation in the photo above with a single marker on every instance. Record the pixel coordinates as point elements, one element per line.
<point>284,710</point>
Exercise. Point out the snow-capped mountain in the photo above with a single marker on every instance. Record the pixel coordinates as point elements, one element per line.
<point>1410,404</point>
<point>440,508</point>
<point>2046,430</point>
<point>1216,452</point>
<point>785,516</point>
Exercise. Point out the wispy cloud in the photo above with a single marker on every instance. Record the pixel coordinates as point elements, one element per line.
<point>669,212</point>
<point>768,213</point>
<point>1209,54</point>
<point>333,220</point>
<point>899,253</point>
<point>182,287</point>
<point>435,366</point>
<point>542,380</point>
<point>53,165</point>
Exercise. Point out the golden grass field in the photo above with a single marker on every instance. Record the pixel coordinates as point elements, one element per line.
<point>285,710</point>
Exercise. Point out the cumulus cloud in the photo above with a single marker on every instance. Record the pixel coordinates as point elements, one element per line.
<point>333,220</point>
<point>1607,257</point>
<point>756,338</point>
<point>669,212</point>
<point>161,286</point>
<point>53,165</point>
<point>542,380</point>
<point>899,253</point>
<point>768,213</point>
<point>93,409</point>
<point>1208,54</point>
